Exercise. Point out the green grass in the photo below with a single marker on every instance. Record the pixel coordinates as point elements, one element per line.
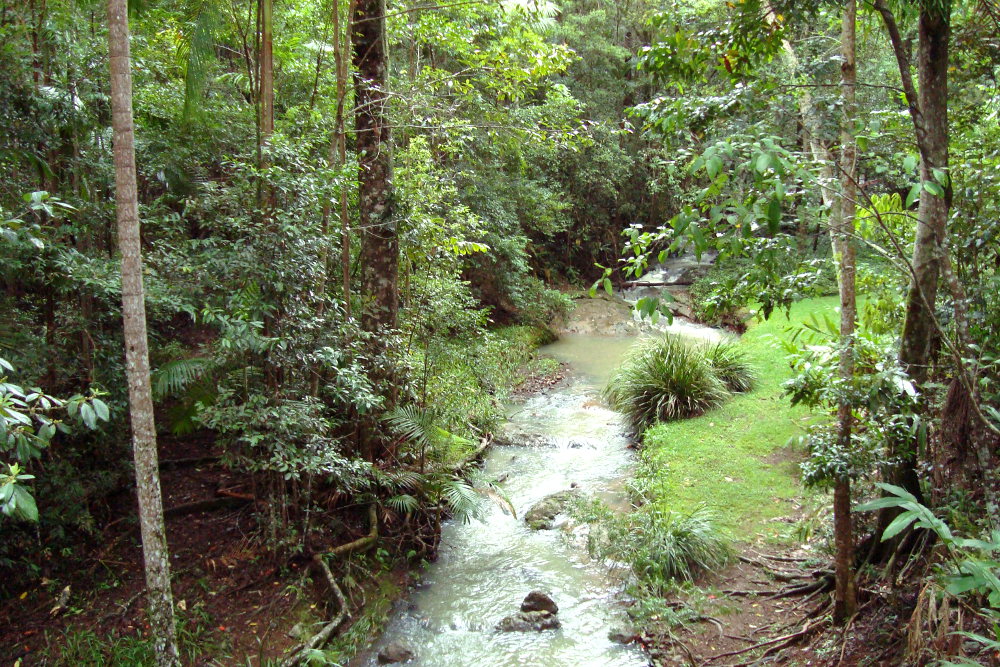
<point>732,459</point>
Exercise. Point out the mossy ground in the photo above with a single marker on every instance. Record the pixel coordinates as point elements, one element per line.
<point>736,459</point>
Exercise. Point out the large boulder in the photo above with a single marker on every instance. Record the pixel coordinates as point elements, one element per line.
<point>538,612</point>
<point>599,316</point>
<point>542,515</point>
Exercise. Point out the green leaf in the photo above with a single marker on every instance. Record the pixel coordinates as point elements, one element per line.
<point>763,162</point>
<point>713,166</point>
<point>934,188</point>
<point>774,215</point>
<point>88,415</point>
<point>912,196</point>
<point>101,408</point>
<point>898,525</point>
<point>909,163</point>
<point>608,287</point>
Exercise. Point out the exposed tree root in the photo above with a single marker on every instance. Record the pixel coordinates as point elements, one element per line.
<point>209,505</point>
<point>362,543</point>
<point>776,644</point>
<point>300,653</point>
<point>320,638</point>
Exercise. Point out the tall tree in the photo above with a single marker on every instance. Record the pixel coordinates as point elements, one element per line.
<point>147,472</point>
<point>843,242</point>
<point>928,109</point>
<point>377,216</point>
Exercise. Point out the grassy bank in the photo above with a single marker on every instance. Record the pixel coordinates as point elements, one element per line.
<point>735,459</point>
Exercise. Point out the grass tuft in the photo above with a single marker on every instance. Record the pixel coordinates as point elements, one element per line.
<point>663,379</point>
<point>731,366</point>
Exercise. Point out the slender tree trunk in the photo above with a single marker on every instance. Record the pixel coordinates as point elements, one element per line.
<point>379,239</point>
<point>845,599</point>
<point>266,69</point>
<point>932,214</point>
<point>342,48</point>
<point>929,112</point>
<point>337,157</point>
<point>147,475</point>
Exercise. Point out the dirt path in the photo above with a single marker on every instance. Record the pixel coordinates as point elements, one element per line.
<point>768,602</point>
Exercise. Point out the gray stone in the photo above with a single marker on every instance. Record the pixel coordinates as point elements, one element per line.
<point>529,621</point>
<point>394,653</point>
<point>543,514</point>
<point>539,601</point>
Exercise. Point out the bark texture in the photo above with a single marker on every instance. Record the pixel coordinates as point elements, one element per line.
<point>154,540</point>
<point>379,240</point>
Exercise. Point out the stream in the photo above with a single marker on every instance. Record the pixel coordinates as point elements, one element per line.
<point>485,568</point>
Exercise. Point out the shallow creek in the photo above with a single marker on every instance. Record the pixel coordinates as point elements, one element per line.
<point>485,568</point>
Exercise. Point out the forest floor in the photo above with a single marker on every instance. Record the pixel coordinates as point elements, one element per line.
<point>231,598</point>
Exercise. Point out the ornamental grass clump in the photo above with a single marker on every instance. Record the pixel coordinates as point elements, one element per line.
<point>731,366</point>
<point>671,546</point>
<point>663,379</point>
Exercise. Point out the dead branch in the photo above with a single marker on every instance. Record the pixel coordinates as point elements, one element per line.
<point>204,506</point>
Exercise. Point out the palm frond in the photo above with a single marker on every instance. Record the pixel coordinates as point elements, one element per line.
<point>403,503</point>
<point>412,424</point>
<point>463,500</point>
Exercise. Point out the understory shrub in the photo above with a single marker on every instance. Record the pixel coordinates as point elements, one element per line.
<point>670,377</point>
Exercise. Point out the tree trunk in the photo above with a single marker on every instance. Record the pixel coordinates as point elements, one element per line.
<point>379,239</point>
<point>154,539</point>
<point>266,69</point>
<point>929,112</point>
<point>340,55</point>
<point>845,599</point>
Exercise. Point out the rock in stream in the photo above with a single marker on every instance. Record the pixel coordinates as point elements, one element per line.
<point>538,612</point>
<point>544,512</point>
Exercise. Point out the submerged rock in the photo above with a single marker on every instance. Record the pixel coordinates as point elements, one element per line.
<point>623,636</point>
<point>529,621</point>
<point>543,514</point>
<point>539,601</point>
<point>394,653</point>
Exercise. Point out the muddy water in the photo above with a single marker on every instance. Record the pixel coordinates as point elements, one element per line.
<point>486,568</point>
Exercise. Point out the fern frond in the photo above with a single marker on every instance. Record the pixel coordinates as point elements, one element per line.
<point>175,376</point>
<point>412,424</point>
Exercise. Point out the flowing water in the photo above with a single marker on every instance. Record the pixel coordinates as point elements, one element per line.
<point>485,568</point>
